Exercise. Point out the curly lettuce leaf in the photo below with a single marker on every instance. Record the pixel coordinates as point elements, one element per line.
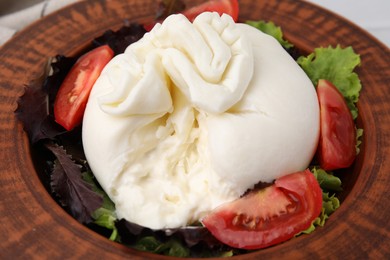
<point>359,134</point>
<point>271,29</point>
<point>337,66</point>
<point>329,205</point>
<point>327,180</point>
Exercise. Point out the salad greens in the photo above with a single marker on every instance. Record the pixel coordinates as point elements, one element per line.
<point>105,215</point>
<point>170,248</point>
<point>329,184</point>
<point>359,135</point>
<point>337,66</point>
<point>76,189</point>
<point>34,106</point>
<point>327,181</point>
<point>72,191</point>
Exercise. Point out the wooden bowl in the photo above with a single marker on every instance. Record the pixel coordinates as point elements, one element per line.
<point>34,226</point>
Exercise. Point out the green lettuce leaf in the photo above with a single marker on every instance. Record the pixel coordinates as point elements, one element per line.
<point>327,180</point>
<point>170,248</point>
<point>329,205</point>
<point>173,247</point>
<point>104,216</point>
<point>271,29</point>
<point>337,66</point>
<point>359,134</point>
<point>329,184</point>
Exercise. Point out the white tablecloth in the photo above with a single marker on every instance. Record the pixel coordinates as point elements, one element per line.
<point>371,15</point>
<point>11,23</point>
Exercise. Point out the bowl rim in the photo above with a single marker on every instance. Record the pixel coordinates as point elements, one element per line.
<point>16,149</point>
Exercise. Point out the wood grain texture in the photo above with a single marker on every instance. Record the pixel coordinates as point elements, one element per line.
<point>33,226</point>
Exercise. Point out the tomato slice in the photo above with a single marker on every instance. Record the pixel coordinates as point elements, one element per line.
<point>229,7</point>
<point>337,144</point>
<point>269,216</point>
<point>72,96</point>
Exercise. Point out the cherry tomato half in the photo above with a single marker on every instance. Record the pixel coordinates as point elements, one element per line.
<point>229,7</point>
<point>72,96</point>
<point>337,144</point>
<point>269,216</point>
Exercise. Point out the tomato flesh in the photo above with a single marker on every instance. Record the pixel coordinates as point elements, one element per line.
<point>337,144</point>
<point>72,96</point>
<point>269,216</point>
<point>229,7</point>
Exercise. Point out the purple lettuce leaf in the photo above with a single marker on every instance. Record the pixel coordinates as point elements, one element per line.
<point>119,40</point>
<point>168,7</point>
<point>33,111</point>
<point>60,67</point>
<point>35,106</point>
<point>196,241</point>
<point>73,192</point>
<point>191,236</point>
